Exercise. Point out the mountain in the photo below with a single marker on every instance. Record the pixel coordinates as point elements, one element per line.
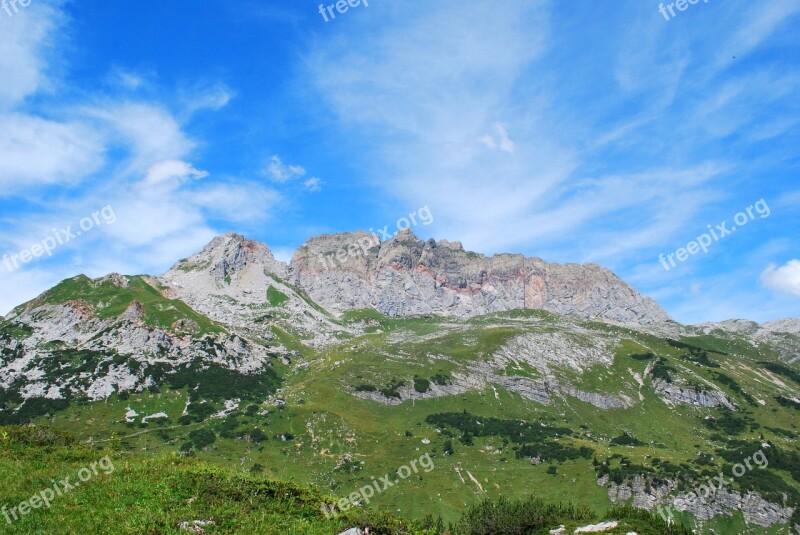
<point>239,283</point>
<point>406,276</point>
<point>514,375</point>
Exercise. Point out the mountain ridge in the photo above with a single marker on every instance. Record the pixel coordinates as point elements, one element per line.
<point>348,282</point>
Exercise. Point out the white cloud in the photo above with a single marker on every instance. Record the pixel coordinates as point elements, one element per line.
<point>280,172</point>
<point>174,171</point>
<point>422,120</point>
<point>148,132</point>
<point>37,151</point>
<point>501,142</point>
<point>242,202</point>
<point>129,79</point>
<point>546,185</point>
<point>26,43</point>
<point>146,216</point>
<point>208,98</point>
<point>313,185</point>
<point>784,279</point>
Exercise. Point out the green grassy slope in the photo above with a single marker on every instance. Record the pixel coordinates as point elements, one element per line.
<point>102,490</point>
<point>481,440</point>
<point>110,300</point>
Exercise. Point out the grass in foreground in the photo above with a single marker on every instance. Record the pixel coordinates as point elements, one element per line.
<point>155,495</point>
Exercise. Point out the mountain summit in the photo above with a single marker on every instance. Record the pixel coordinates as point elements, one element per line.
<point>401,277</point>
<point>407,276</point>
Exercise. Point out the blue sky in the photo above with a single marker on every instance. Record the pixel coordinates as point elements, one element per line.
<point>574,131</point>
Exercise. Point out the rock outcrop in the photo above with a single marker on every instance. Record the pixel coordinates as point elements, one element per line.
<point>406,276</point>
<point>229,281</point>
<point>646,494</point>
<point>783,335</point>
<point>70,352</point>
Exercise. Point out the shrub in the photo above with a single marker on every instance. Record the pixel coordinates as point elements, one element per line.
<point>257,469</point>
<point>518,431</point>
<point>517,517</point>
<point>202,438</point>
<point>626,440</point>
<point>392,390</point>
<point>729,422</point>
<point>216,383</point>
<point>258,436</point>
<point>554,451</point>
<point>661,370</point>
<point>441,379</point>
<point>421,385</point>
<point>786,402</point>
<point>31,409</point>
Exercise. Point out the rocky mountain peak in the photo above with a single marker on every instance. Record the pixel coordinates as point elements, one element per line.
<point>406,276</point>
<point>229,254</point>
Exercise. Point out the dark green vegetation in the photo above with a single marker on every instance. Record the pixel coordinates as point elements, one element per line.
<point>28,410</point>
<point>627,440</point>
<point>662,370</point>
<point>786,402</point>
<point>212,382</point>
<point>421,385</point>
<point>513,430</point>
<point>523,517</point>
<point>392,390</point>
<point>732,385</point>
<point>730,423</point>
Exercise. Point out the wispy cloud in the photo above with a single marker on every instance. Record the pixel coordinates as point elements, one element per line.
<point>171,171</point>
<point>280,172</point>
<point>313,185</point>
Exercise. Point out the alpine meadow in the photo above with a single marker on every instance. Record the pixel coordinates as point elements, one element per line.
<point>393,268</point>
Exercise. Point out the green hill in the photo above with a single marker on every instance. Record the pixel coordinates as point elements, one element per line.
<point>507,406</point>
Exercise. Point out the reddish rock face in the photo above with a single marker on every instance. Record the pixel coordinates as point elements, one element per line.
<point>406,276</point>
